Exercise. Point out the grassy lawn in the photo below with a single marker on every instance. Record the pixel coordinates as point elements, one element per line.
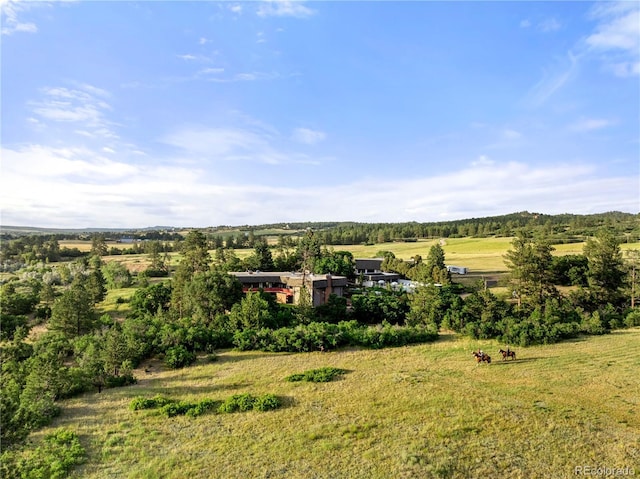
<point>419,411</point>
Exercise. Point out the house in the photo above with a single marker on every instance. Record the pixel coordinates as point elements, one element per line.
<point>287,286</point>
<point>369,270</point>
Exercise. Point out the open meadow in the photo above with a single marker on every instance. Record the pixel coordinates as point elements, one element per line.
<point>420,411</point>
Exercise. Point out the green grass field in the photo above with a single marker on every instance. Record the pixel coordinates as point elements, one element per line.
<point>421,411</point>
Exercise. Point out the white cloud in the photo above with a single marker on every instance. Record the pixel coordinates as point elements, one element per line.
<point>483,160</point>
<point>617,36</point>
<point>553,80</point>
<point>83,105</point>
<point>11,10</point>
<point>549,25</point>
<point>75,187</point>
<point>248,145</point>
<point>211,71</point>
<point>308,136</point>
<point>235,8</point>
<point>590,124</point>
<point>509,134</point>
<point>525,23</point>
<point>284,8</point>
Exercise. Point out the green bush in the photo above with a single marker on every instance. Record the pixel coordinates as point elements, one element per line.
<point>325,336</point>
<point>320,375</point>
<point>267,402</point>
<point>247,402</point>
<point>633,318</point>
<point>178,357</point>
<point>237,402</point>
<point>176,408</point>
<point>203,407</point>
<point>145,403</point>
<point>53,459</point>
<point>119,381</point>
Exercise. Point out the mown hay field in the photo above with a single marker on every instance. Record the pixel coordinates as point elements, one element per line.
<point>420,411</point>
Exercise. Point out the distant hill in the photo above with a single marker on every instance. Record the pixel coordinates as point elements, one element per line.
<point>471,226</point>
<point>24,230</point>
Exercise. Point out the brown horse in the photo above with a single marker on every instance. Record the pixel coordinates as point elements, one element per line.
<point>508,354</point>
<point>482,357</point>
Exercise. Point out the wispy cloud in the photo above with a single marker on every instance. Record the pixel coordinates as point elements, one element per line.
<point>483,160</point>
<point>510,134</point>
<point>284,8</point>
<point>235,8</point>
<point>84,104</point>
<point>549,25</point>
<point>553,80</point>
<point>11,11</point>
<point>617,36</point>
<point>526,23</point>
<point>591,124</point>
<point>308,136</point>
<point>197,57</point>
<point>249,145</point>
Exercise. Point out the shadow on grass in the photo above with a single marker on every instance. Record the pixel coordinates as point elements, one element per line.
<point>229,357</point>
<point>195,389</point>
<point>446,337</point>
<point>506,362</point>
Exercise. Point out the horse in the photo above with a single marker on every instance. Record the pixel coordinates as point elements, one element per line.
<point>508,354</point>
<point>482,357</point>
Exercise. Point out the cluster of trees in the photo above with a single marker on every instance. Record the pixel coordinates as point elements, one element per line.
<point>536,312</point>
<point>431,270</point>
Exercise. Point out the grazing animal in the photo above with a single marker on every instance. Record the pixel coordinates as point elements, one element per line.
<point>482,357</point>
<point>508,354</point>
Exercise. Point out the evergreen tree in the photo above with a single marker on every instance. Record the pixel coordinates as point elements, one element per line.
<point>252,312</point>
<point>606,273</point>
<point>73,312</point>
<point>530,265</point>
<point>98,245</point>
<point>195,259</point>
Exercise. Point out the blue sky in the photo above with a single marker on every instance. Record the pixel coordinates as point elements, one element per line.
<point>135,114</point>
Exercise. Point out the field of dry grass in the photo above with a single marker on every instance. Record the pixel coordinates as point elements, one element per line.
<point>418,411</point>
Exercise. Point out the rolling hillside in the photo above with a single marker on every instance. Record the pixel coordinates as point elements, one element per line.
<point>420,411</point>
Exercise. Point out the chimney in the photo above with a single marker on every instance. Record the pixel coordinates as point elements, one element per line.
<point>329,290</point>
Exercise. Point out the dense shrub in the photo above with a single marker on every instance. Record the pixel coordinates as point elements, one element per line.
<point>149,403</point>
<point>203,407</point>
<point>53,459</point>
<point>248,402</point>
<point>267,402</point>
<point>119,381</point>
<point>238,402</point>
<point>326,336</point>
<point>320,375</point>
<point>178,357</point>
<point>176,408</point>
<point>633,318</point>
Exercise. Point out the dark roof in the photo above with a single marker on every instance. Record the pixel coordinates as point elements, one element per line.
<point>369,263</point>
<point>288,278</point>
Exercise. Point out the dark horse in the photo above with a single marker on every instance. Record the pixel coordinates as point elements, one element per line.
<point>507,354</point>
<point>482,357</point>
